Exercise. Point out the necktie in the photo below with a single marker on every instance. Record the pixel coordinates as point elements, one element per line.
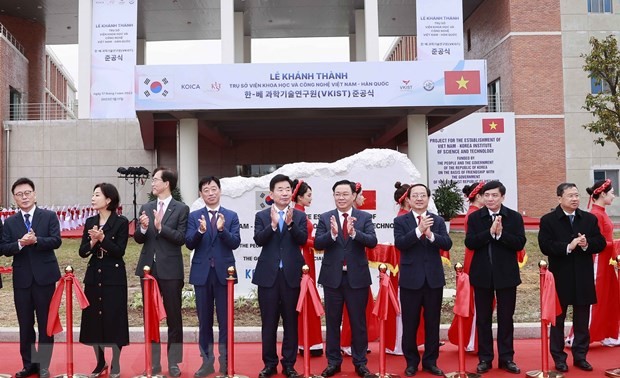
<point>213,221</point>
<point>571,217</point>
<point>281,220</point>
<point>345,227</point>
<point>27,221</point>
<point>419,221</point>
<point>160,212</point>
<point>493,216</point>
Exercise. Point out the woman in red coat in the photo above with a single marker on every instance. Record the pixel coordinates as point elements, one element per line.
<point>472,192</point>
<point>302,196</point>
<point>606,312</point>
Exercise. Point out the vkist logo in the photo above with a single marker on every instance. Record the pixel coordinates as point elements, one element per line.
<point>151,87</point>
<point>406,86</point>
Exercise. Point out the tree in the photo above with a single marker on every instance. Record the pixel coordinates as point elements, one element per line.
<point>603,64</point>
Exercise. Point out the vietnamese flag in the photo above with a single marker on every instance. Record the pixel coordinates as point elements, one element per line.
<point>370,200</point>
<point>492,125</point>
<point>462,82</point>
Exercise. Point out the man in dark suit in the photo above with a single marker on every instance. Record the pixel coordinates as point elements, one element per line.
<point>161,230</point>
<point>213,234</point>
<point>343,234</point>
<point>280,230</point>
<point>495,233</point>
<point>570,237</point>
<point>31,235</point>
<point>420,235</point>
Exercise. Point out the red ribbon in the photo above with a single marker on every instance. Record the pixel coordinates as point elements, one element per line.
<point>385,297</point>
<point>461,302</point>
<point>157,312</point>
<point>308,287</point>
<point>550,303</point>
<point>6,269</point>
<point>53,319</point>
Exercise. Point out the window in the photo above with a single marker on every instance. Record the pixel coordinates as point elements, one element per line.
<point>15,104</point>
<point>256,170</point>
<point>600,6</point>
<point>598,86</point>
<point>611,174</point>
<point>493,96</point>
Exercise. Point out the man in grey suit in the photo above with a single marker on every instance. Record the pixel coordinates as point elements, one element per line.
<point>161,229</point>
<point>344,234</point>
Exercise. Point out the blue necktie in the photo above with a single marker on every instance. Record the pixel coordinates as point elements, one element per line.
<point>281,221</point>
<point>571,217</point>
<point>27,222</point>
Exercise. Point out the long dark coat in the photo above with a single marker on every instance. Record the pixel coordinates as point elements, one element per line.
<point>105,321</point>
<point>573,272</point>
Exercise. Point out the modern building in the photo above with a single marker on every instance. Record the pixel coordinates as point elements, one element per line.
<point>532,49</point>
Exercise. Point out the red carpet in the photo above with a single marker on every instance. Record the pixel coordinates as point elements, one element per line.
<point>248,360</point>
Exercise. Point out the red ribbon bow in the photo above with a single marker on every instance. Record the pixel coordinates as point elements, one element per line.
<point>385,297</point>
<point>461,302</point>
<point>308,287</point>
<point>157,312</point>
<point>53,319</point>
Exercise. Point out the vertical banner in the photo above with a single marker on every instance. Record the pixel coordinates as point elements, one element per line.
<point>113,58</point>
<point>439,29</point>
<point>478,147</point>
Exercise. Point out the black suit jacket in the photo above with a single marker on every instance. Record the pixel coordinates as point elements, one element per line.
<point>111,250</point>
<point>36,262</point>
<point>167,243</point>
<point>574,273</point>
<point>504,271</point>
<point>420,260</point>
<point>353,250</point>
<point>276,246</point>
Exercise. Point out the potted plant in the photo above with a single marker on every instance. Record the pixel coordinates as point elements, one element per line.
<point>448,200</point>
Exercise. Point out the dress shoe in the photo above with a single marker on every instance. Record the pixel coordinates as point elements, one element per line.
<point>290,372</point>
<point>561,367</point>
<point>267,372</point>
<point>583,365</point>
<point>27,372</point>
<point>174,371</point>
<point>44,373</point>
<point>410,371</point>
<point>483,367</point>
<point>331,370</point>
<point>205,369</point>
<point>433,369</point>
<point>99,371</point>
<point>362,371</point>
<point>510,367</point>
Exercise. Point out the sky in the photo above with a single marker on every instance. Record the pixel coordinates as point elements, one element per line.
<point>281,50</point>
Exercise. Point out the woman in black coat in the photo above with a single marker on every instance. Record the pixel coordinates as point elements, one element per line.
<point>105,321</point>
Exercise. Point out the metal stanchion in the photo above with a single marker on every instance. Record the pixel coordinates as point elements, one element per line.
<point>230,280</point>
<point>148,358</point>
<point>544,336</point>
<point>304,318</point>
<point>615,372</point>
<point>380,297</point>
<point>5,270</point>
<point>462,373</point>
<point>69,324</point>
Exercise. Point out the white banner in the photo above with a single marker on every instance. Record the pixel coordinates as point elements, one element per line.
<point>311,85</point>
<point>439,25</point>
<point>113,58</point>
<point>376,169</point>
<point>478,147</point>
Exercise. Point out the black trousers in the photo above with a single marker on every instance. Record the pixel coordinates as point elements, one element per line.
<point>213,296</point>
<point>581,342</point>
<point>28,302</point>
<point>279,301</point>
<point>355,300</point>
<point>506,302</point>
<point>412,302</point>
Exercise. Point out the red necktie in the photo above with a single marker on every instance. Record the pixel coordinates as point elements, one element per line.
<point>345,227</point>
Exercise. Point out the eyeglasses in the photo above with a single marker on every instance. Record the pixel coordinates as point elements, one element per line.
<point>571,195</point>
<point>26,193</point>
<point>155,179</point>
<point>418,195</point>
<point>342,195</point>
